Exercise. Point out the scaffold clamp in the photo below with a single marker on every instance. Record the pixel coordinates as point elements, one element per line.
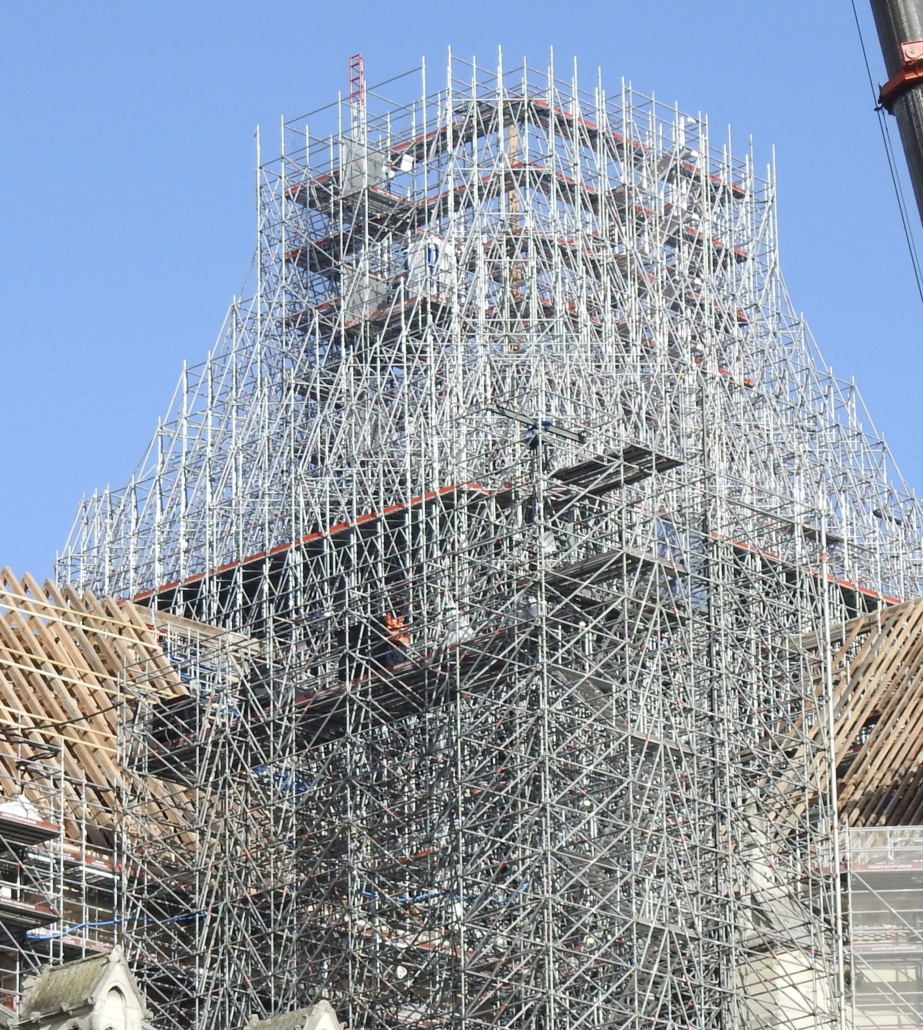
<point>910,74</point>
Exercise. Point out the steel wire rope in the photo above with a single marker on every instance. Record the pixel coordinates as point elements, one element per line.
<point>892,164</point>
<point>83,717</point>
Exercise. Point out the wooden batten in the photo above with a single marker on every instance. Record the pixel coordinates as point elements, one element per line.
<point>877,679</point>
<point>63,656</point>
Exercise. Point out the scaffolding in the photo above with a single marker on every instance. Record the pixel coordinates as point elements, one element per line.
<point>886,924</point>
<point>528,506</point>
<point>62,657</point>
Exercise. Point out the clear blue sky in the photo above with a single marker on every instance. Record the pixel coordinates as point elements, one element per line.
<point>126,203</point>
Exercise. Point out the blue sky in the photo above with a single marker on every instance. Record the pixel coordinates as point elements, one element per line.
<point>126,201</point>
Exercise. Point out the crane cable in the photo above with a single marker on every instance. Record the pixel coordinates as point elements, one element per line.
<point>883,125</point>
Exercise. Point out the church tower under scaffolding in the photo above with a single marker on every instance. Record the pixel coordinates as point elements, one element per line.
<point>527,505</point>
